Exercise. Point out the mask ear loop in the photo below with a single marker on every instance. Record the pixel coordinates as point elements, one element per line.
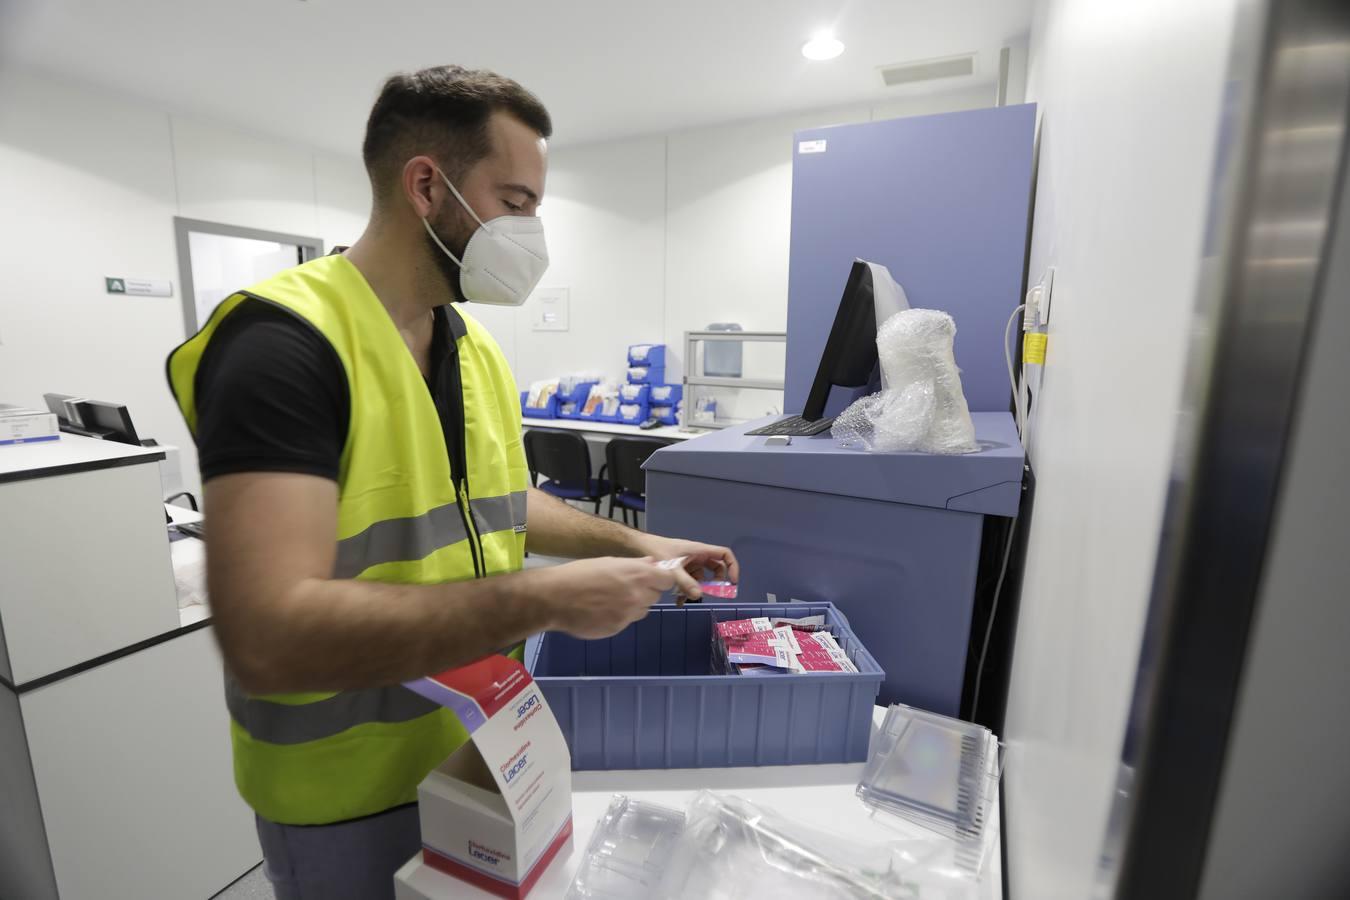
<point>463,203</point>
<point>427,226</point>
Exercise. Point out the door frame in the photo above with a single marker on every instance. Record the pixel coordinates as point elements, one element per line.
<point>310,248</point>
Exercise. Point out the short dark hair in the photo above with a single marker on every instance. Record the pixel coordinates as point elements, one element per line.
<point>442,111</point>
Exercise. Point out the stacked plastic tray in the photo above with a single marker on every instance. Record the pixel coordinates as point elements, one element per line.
<point>570,402</point>
<point>666,400</point>
<point>934,770</point>
<point>634,403</point>
<point>647,364</point>
<point>629,851</point>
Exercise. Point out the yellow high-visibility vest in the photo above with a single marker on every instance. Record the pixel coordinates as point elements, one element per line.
<point>405,515</point>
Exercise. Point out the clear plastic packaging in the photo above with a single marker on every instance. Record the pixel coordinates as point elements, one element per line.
<point>568,383</point>
<point>922,406</point>
<point>733,849</point>
<point>628,852</point>
<point>937,771</point>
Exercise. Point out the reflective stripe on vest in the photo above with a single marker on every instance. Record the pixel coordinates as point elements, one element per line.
<point>325,757</point>
<point>416,537</point>
<point>283,723</point>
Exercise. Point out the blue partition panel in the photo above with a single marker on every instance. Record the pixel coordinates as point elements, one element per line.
<point>942,202</point>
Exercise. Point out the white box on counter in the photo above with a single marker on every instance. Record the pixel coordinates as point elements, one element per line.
<point>499,810</point>
<point>21,425</point>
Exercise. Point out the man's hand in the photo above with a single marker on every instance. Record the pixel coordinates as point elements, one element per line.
<point>597,598</point>
<point>700,561</point>
<point>556,529</point>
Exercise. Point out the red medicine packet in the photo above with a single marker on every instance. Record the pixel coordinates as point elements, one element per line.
<point>740,628</point>
<point>720,590</point>
<point>806,623</point>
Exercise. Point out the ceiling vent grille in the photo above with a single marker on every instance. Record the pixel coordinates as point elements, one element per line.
<point>928,70</point>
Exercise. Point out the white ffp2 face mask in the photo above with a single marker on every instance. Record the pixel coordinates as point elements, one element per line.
<point>504,258</point>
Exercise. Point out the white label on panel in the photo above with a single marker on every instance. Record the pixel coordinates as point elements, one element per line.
<point>140,287</point>
<point>549,309</point>
<point>811,146</point>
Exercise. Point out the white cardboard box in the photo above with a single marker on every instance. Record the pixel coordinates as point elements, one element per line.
<point>499,810</point>
<point>19,425</point>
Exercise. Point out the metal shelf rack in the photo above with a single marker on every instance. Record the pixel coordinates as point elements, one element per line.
<point>691,355</point>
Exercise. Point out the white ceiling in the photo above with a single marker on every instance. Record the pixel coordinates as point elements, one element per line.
<point>308,70</point>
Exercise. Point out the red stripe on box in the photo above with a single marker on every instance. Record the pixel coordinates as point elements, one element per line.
<point>492,682</point>
<point>495,884</point>
<point>537,871</point>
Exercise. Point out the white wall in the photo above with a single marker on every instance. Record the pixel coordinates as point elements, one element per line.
<point>91,183</point>
<point>654,236</point>
<point>658,236</point>
<point>1129,98</point>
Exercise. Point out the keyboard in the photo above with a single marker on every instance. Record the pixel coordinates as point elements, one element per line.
<point>794,426</point>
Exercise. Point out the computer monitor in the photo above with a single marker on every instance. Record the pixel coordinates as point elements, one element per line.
<point>871,296</point>
<point>110,418</point>
<point>61,405</point>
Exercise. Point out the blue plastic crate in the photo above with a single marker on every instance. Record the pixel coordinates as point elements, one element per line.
<point>644,374</point>
<point>667,394</point>
<point>632,413</point>
<point>667,415</point>
<point>575,398</point>
<point>644,699</point>
<point>647,355</point>
<point>550,411</point>
<point>635,393</point>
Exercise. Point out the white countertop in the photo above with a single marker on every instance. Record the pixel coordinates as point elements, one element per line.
<point>822,797</point>
<point>71,451</point>
<point>666,432</point>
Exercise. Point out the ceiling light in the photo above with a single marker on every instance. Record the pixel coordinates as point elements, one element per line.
<point>822,46</point>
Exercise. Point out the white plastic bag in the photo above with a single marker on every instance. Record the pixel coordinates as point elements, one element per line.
<point>922,406</point>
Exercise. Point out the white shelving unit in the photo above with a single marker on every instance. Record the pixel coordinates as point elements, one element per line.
<point>694,381</point>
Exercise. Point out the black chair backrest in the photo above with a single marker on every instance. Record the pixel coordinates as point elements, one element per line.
<point>625,457</point>
<point>561,456</point>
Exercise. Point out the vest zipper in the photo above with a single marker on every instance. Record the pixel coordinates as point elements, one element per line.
<point>458,453</point>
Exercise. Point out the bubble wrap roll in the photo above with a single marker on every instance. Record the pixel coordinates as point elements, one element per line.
<point>921,405</point>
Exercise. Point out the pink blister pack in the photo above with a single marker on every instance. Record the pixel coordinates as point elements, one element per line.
<point>718,590</point>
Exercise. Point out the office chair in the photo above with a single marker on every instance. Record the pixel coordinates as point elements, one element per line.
<point>565,460</point>
<point>624,458</point>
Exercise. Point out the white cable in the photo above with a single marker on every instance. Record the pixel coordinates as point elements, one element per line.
<point>1018,409</point>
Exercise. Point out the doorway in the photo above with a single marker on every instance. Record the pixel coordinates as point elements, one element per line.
<point>215,260</point>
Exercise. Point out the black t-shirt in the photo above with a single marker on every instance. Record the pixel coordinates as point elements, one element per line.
<point>272,395</point>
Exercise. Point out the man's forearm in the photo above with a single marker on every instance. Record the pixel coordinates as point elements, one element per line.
<point>328,635</point>
<point>556,529</point>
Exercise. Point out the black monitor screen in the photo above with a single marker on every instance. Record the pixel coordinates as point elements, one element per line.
<point>111,418</point>
<point>850,357</point>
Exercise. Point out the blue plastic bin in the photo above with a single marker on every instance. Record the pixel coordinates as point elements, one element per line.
<point>549,411</point>
<point>644,699</point>
<point>668,415</point>
<point>647,355</point>
<point>635,393</point>
<point>667,394</point>
<point>576,398</point>
<point>644,374</point>
<point>633,413</point>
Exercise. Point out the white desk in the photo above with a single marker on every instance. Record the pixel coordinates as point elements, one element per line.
<point>606,430</point>
<point>115,768</point>
<point>821,797</point>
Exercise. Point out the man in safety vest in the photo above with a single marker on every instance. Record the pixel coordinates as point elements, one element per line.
<point>368,501</point>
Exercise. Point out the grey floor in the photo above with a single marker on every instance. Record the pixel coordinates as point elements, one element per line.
<point>253,886</point>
